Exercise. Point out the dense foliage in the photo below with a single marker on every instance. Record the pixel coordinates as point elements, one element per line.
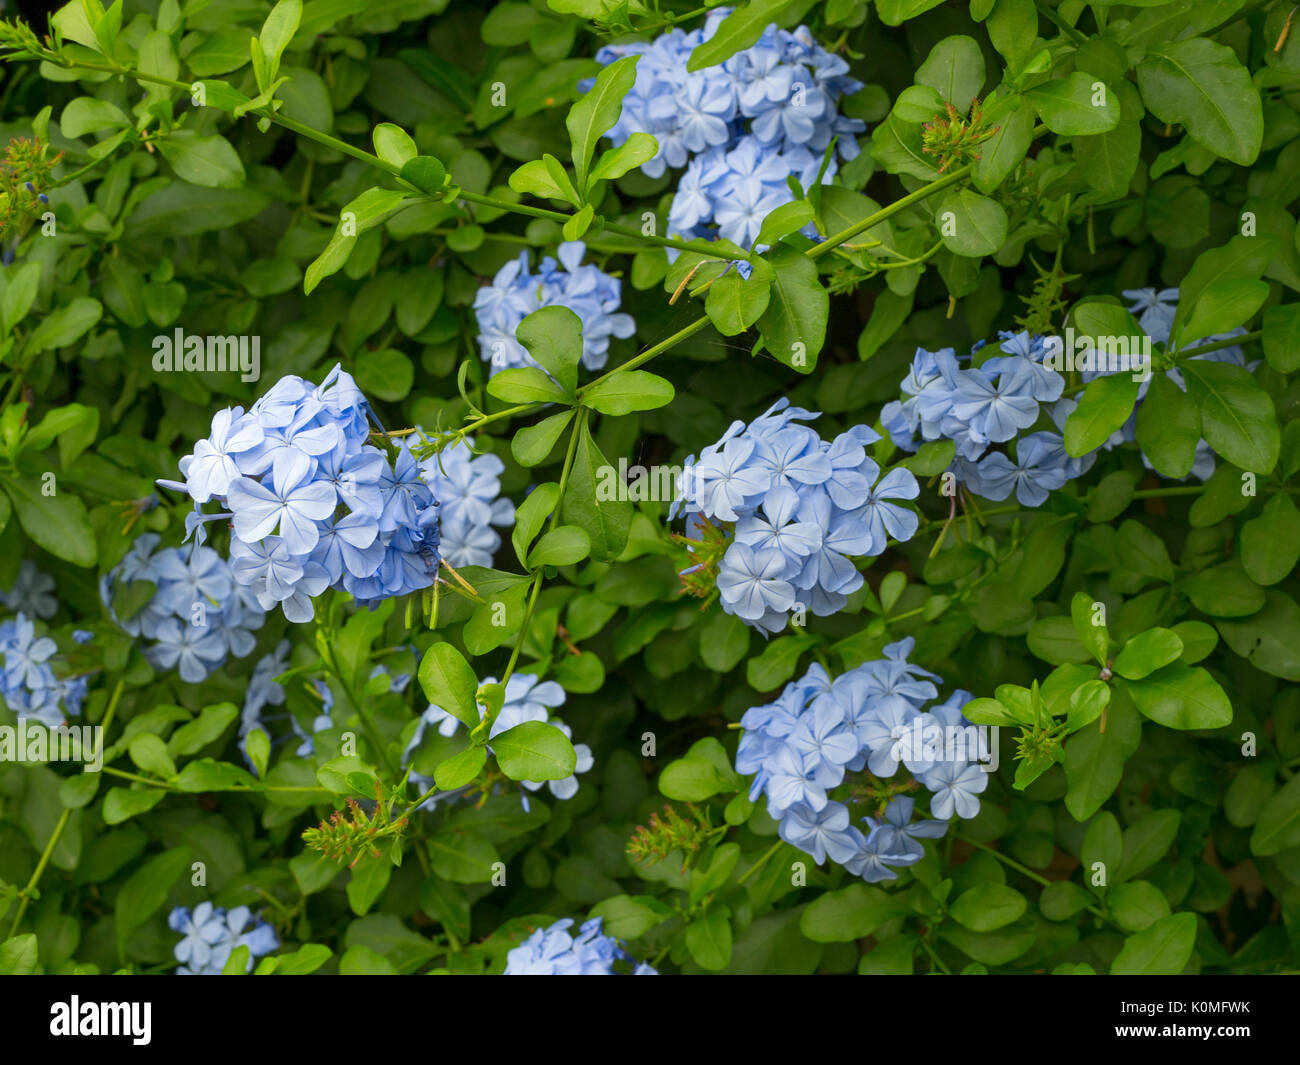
<point>590,487</point>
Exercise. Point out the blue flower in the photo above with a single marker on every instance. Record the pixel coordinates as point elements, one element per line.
<point>802,748</point>
<point>32,592</point>
<point>554,951</point>
<point>516,292</point>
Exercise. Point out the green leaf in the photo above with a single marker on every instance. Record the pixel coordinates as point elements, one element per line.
<point>624,391</point>
<point>986,907</point>
<point>1201,85</point>
<point>460,769</point>
<point>209,161</point>
<point>149,753</point>
<point>449,682</point>
<point>1094,637</point>
<point>206,774</point>
<point>598,110</point>
<point>1281,338</point>
<point>1237,416</point>
<point>1182,697</point>
<point>68,324</point>
<point>278,30</point>
<point>18,955</point>
<point>971,224</point>
<point>365,212</point>
<point>955,69</point>
<point>784,220</point>
<point>794,322</point>
<point>534,751</point>
<point>724,641</point>
<point>850,913</point>
<point>562,546</point>
<point>1004,151</point>
<point>526,384</point>
<point>606,521</point>
<point>394,145</point>
<point>1269,545</point>
<point>463,857</point>
<point>532,444</point>
<point>1146,841</point>
<point>532,514</point>
<point>1225,305</point>
<point>122,804</point>
<point>1277,828</point>
<point>1241,257</point>
<point>1104,407</point>
<point>146,890</point>
<point>553,337</point>
<point>1148,651</point>
<point>734,304</point>
<point>708,939</point>
<point>1137,906</point>
<point>426,173</point>
<point>1144,552</point>
<point>1168,427</point>
<point>85,115</point>
<point>692,780</point>
<point>1075,106</point>
<point>57,522</point>
<point>615,162</point>
<point>1224,592</point>
<point>738,31</point>
<point>1162,949</point>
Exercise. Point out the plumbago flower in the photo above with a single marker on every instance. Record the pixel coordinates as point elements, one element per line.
<point>468,489</point>
<point>1003,399</point>
<point>824,746</point>
<point>32,592</point>
<point>775,514</point>
<point>28,683</point>
<point>554,951</point>
<point>563,281</point>
<point>527,698</point>
<point>312,504</point>
<point>981,407</point>
<point>741,128</point>
<point>198,615</point>
<point>210,934</point>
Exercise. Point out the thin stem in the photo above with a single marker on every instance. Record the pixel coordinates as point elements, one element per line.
<point>1053,16</point>
<point>25,896</point>
<point>830,243</point>
<point>761,862</point>
<point>1231,342</point>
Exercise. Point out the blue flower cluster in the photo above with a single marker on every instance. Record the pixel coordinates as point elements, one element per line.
<point>198,614</point>
<point>740,128</point>
<point>468,489</point>
<point>312,504</point>
<point>802,746</point>
<point>564,281</point>
<point>210,934</point>
<point>527,698</point>
<point>27,682</point>
<point>978,407</point>
<point>554,951</point>
<point>1155,310</point>
<point>32,592</point>
<point>795,510</point>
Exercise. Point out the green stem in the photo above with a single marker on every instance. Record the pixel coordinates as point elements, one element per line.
<point>1218,345</point>
<point>938,185</point>
<point>25,896</point>
<point>579,423</point>
<point>1053,16</point>
<point>761,862</point>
